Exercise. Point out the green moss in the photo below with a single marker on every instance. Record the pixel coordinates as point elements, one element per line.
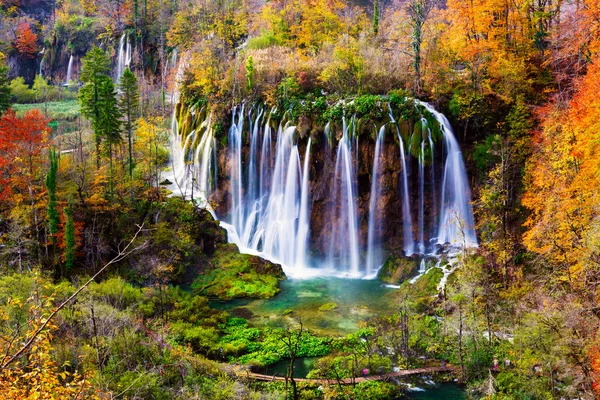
<point>239,275</point>
<point>398,269</point>
<point>328,307</point>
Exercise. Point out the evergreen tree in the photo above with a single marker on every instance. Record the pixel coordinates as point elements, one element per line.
<point>129,106</point>
<point>109,120</point>
<point>70,245</point>
<point>375,17</point>
<point>53,218</point>
<point>5,95</point>
<point>95,70</point>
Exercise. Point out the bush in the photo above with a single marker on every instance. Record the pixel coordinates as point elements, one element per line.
<point>266,39</point>
<point>21,91</point>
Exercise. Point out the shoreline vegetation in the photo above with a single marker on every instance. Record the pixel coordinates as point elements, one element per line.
<point>114,284</point>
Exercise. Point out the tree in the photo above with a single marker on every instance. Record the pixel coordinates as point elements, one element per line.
<point>25,41</point>
<point>95,69</point>
<point>129,106</point>
<point>52,212</point>
<point>375,17</point>
<point>418,11</point>
<point>109,121</point>
<point>5,95</point>
<point>70,242</point>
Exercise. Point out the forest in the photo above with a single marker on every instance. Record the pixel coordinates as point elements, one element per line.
<point>317,199</point>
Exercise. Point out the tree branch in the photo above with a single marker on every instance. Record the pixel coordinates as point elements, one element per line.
<point>120,256</point>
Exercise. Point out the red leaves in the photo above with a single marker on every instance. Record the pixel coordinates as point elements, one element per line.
<point>26,41</point>
<point>21,142</point>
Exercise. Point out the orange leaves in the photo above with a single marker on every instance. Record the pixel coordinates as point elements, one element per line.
<point>26,40</point>
<point>21,143</point>
<point>564,177</point>
<point>594,356</point>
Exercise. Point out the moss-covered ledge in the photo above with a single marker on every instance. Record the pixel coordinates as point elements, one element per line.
<point>236,275</point>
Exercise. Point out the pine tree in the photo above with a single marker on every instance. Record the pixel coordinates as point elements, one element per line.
<point>129,107</point>
<point>109,120</point>
<point>94,71</point>
<point>70,244</point>
<point>53,218</point>
<point>5,95</point>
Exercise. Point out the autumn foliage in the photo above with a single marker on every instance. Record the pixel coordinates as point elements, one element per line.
<point>21,143</point>
<point>26,40</point>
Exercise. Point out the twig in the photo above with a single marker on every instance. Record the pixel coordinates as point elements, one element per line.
<point>122,254</point>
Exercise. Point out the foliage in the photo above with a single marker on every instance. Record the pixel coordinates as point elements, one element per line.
<point>239,275</point>
<point>26,40</point>
<point>5,95</point>
<point>129,108</point>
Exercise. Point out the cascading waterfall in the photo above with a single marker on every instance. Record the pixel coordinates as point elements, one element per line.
<point>344,244</point>
<point>123,56</point>
<point>269,191</point>
<point>456,223</point>
<point>373,250</point>
<point>194,162</point>
<point>69,71</point>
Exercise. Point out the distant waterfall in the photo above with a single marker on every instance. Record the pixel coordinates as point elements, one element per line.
<point>123,56</point>
<point>69,71</point>
<point>268,198</point>
<point>43,54</point>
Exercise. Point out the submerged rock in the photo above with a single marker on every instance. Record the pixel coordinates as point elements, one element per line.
<point>328,307</point>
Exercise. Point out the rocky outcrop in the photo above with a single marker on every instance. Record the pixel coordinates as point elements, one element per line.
<point>234,275</point>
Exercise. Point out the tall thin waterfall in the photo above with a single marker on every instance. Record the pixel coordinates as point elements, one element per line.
<point>123,56</point>
<point>269,202</point>
<point>456,222</point>
<point>373,249</point>
<point>344,245</point>
<point>43,54</point>
<point>69,71</point>
<point>407,234</point>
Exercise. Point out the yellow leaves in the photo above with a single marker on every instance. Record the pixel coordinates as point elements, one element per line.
<point>563,183</point>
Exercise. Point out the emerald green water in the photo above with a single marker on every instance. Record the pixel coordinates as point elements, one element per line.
<point>445,391</point>
<point>300,299</point>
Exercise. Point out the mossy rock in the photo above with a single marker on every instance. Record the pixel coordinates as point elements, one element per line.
<point>423,292</point>
<point>397,269</point>
<point>328,307</point>
<point>236,275</point>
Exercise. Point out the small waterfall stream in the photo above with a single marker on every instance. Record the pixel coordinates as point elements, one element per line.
<point>69,71</point>
<point>270,202</point>
<point>123,56</point>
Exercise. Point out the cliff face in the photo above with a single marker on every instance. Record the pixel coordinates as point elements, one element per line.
<point>322,185</point>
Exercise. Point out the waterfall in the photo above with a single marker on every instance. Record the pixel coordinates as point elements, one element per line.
<point>344,248</point>
<point>304,221</point>
<point>422,198</point>
<point>69,71</point>
<point>193,171</point>
<point>373,251</point>
<point>235,168</point>
<point>43,54</point>
<point>407,234</point>
<point>174,55</point>
<point>456,222</point>
<point>123,56</point>
<point>268,194</point>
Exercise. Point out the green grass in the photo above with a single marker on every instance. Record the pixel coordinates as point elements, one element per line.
<point>57,110</point>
